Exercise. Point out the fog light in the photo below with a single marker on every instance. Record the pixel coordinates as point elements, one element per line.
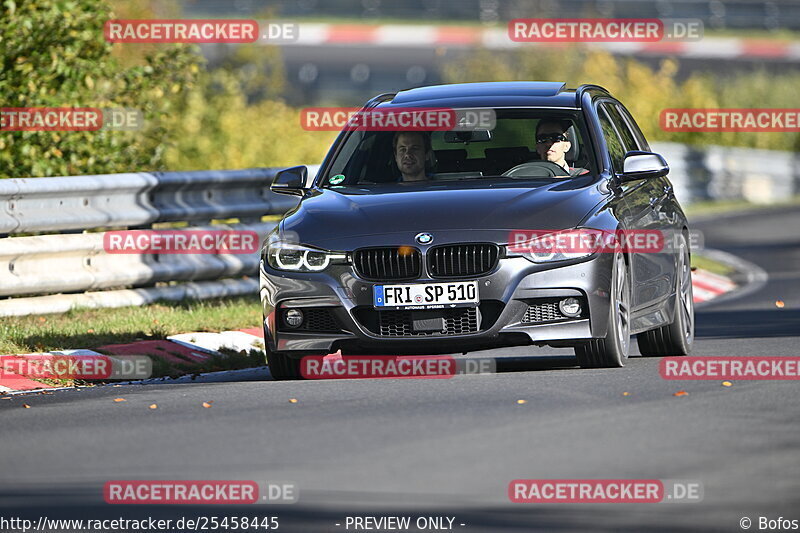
<point>293,318</point>
<point>570,307</point>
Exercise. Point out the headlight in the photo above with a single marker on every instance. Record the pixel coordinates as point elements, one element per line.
<point>298,258</point>
<point>551,246</point>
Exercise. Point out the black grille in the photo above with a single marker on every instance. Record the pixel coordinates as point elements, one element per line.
<point>388,263</point>
<point>540,311</point>
<point>458,321</point>
<point>462,260</point>
<point>316,319</point>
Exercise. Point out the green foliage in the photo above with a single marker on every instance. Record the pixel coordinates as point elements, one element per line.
<point>217,128</point>
<point>644,91</point>
<point>54,54</point>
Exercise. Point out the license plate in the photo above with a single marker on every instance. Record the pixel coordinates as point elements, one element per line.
<point>426,295</point>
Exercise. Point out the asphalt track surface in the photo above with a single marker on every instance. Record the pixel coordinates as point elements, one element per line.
<point>450,447</point>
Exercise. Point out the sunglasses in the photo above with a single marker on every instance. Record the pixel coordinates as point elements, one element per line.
<point>551,137</point>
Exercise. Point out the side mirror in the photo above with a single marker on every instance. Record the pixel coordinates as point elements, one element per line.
<point>290,181</point>
<point>642,166</point>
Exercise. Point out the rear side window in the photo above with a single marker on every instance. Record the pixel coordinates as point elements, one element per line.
<point>637,133</point>
<point>614,144</point>
<point>628,141</point>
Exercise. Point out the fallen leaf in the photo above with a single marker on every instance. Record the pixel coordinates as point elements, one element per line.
<point>779,304</point>
<point>89,331</point>
<point>26,406</point>
<point>726,384</point>
<point>120,400</point>
<point>292,400</point>
<point>206,404</point>
<point>42,319</point>
<point>626,393</point>
<point>522,401</point>
<point>153,406</point>
<point>681,393</point>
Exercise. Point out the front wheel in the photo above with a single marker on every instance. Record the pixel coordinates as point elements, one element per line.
<point>677,337</point>
<point>612,350</point>
<point>281,366</point>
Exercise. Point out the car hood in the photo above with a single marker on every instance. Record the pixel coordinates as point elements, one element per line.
<point>332,220</point>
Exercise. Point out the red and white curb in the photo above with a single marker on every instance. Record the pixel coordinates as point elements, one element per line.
<point>184,350</point>
<point>707,286</point>
<point>189,349</point>
<point>427,36</point>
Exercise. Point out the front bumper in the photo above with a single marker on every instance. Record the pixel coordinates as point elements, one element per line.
<point>506,294</point>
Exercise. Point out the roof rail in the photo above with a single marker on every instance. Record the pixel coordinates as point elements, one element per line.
<point>375,100</point>
<point>588,87</point>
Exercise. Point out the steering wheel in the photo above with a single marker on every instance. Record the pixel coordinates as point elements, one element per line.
<point>536,169</point>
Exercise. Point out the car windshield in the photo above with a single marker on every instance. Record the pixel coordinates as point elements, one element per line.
<point>524,145</point>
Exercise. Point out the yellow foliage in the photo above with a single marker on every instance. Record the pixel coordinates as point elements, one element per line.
<point>645,91</point>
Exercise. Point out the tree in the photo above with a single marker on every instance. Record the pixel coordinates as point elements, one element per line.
<point>53,54</point>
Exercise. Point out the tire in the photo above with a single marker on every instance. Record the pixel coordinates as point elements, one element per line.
<point>612,350</point>
<point>281,366</point>
<point>677,337</point>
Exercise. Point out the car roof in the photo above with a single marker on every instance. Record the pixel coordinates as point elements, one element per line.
<point>489,94</point>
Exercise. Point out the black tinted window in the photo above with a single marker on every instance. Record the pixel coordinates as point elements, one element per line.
<point>637,133</point>
<point>615,147</point>
<point>628,141</point>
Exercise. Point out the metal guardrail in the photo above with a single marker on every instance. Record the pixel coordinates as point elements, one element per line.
<point>35,262</point>
<point>713,173</point>
<point>33,267</point>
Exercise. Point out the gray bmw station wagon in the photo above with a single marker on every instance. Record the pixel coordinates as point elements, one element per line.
<point>405,242</point>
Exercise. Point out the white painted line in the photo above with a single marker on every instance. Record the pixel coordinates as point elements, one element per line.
<point>712,281</point>
<point>496,38</point>
<point>12,392</point>
<point>618,48</point>
<point>76,353</point>
<point>702,295</point>
<point>793,52</point>
<point>722,48</point>
<point>404,35</point>
<point>311,34</point>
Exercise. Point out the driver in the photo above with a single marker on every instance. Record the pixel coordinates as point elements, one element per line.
<point>411,151</point>
<point>552,144</point>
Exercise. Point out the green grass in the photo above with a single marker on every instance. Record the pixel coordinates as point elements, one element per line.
<point>730,206</point>
<point>90,328</point>
<point>715,267</point>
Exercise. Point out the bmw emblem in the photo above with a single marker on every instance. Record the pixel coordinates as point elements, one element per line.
<point>424,238</point>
